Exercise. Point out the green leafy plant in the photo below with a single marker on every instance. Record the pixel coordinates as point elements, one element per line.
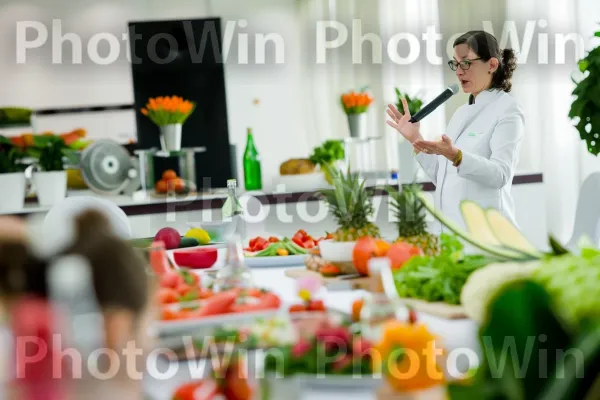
<point>51,151</point>
<point>10,157</point>
<point>528,353</point>
<point>414,104</point>
<point>329,152</point>
<point>440,277</point>
<point>585,109</point>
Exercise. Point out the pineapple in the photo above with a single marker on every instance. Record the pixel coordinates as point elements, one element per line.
<point>351,206</point>
<point>410,218</point>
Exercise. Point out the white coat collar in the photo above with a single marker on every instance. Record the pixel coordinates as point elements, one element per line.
<point>484,97</point>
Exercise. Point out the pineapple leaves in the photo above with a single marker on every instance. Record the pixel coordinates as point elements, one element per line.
<point>350,202</point>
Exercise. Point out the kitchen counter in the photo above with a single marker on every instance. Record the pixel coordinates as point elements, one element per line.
<point>145,204</point>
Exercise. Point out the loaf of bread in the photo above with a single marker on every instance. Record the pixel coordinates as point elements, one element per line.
<point>297,166</point>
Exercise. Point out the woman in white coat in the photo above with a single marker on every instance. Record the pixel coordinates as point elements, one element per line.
<point>477,157</point>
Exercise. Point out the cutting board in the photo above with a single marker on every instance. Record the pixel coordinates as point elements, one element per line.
<point>334,283</point>
<point>438,309</point>
<point>442,310</point>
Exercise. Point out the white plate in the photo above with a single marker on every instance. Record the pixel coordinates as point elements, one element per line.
<point>275,261</point>
<point>197,326</point>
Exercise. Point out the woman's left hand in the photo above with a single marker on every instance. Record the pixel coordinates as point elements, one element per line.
<point>442,147</point>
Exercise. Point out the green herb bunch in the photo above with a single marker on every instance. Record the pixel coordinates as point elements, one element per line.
<point>329,152</point>
<point>441,277</point>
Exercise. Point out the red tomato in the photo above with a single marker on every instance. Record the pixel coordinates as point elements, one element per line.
<point>200,390</point>
<point>167,295</point>
<point>298,241</point>
<point>273,239</point>
<point>261,243</point>
<point>171,279</point>
<point>298,236</point>
<point>252,242</point>
<point>400,253</point>
<point>302,232</point>
<point>308,244</point>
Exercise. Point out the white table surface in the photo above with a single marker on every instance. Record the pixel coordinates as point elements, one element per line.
<point>455,334</point>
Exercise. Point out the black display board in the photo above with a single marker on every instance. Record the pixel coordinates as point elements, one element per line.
<point>184,58</point>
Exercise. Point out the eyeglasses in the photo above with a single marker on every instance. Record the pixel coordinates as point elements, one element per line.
<point>464,65</point>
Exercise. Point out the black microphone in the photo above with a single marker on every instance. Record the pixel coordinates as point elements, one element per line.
<point>438,101</point>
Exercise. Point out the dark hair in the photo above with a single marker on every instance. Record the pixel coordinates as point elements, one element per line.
<point>118,271</point>
<point>486,46</point>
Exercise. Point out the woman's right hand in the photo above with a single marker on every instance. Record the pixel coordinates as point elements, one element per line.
<point>401,123</point>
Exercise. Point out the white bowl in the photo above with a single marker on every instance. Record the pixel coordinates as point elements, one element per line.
<point>300,183</point>
<point>336,251</point>
<point>218,231</point>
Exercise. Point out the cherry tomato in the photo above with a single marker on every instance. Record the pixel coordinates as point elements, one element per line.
<point>273,239</point>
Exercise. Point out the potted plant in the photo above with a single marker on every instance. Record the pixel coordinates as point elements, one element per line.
<point>49,176</point>
<point>12,178</point>
<point>355,105</point>
<point>169,114</point>
<point>414,104</point>
<point>327,156</point>
<point>585,109</point>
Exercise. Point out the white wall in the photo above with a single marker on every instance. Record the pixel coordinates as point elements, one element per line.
<point>278,121</point>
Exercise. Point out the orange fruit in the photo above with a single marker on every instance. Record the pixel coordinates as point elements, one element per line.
<point>400,253</point>
<point>365,249</point>
<point>161,186</point>
<point>176,184</point>
<point>169,174</point>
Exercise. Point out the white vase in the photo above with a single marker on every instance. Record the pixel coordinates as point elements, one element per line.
<point>357,123</point>
<point>170,137</point>
<point>50,186</point>
<point>13,197</point>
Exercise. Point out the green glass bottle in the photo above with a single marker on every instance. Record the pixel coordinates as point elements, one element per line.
<point>252,171</point>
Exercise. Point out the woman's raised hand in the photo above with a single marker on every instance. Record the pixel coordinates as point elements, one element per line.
<point>401,123</point>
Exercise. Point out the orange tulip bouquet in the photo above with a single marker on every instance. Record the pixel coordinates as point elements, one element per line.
<point>355,105</point>
<point>169,114</point>
<point>356,102</point>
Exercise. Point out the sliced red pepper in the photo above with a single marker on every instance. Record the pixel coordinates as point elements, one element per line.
<point>298,241</point>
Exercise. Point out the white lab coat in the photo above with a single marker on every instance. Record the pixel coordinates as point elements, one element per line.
<point>489,133</point>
